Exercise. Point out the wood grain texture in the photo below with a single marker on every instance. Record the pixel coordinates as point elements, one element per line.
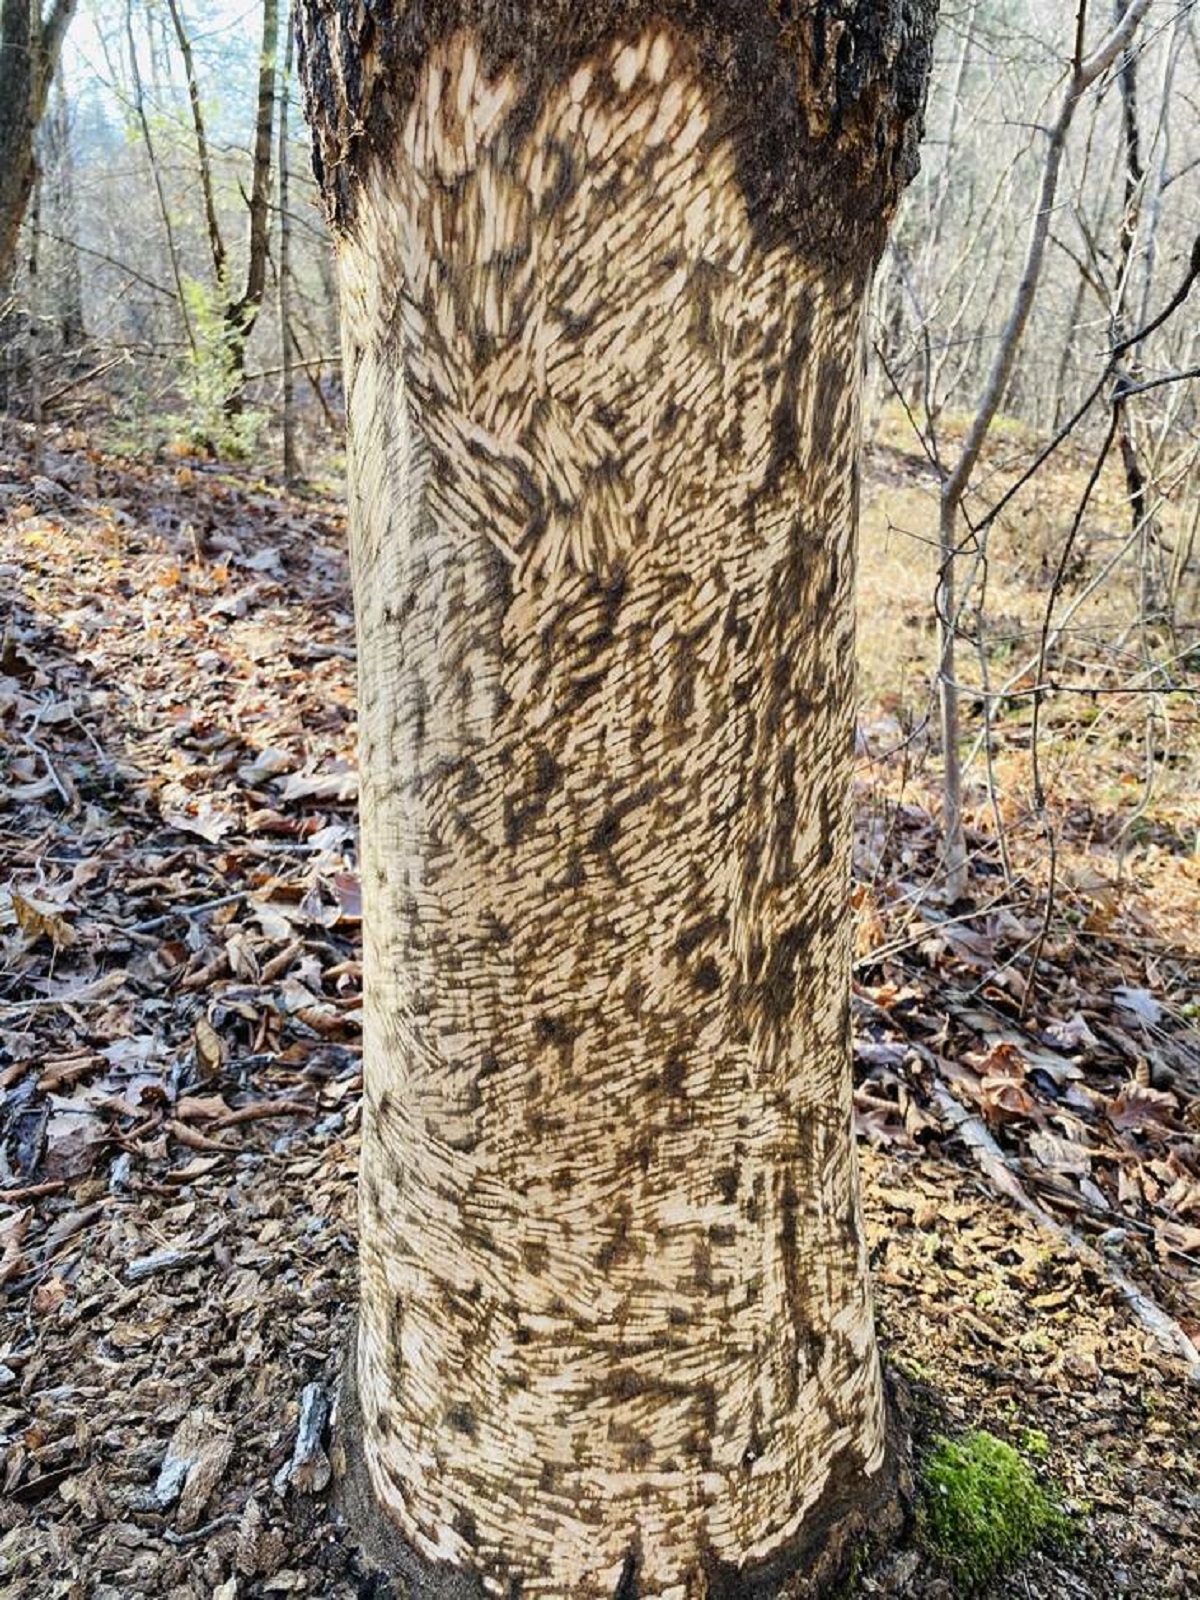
<point>615,1332</point>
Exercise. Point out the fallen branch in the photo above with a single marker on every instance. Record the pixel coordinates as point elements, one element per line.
<point>151,924</point>
<point>78,383</point>
<point>163,1261</point>
<point>197,1536</point>
<point>98,992</point>
<point>1002,1172</point>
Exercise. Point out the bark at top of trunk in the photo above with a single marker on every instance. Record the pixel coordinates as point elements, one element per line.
<point>833,92</point>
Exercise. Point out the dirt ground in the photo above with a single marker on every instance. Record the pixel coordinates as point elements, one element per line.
<point>180,1082</point>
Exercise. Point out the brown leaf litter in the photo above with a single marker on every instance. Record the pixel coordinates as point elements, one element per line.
<point>179,1072</point>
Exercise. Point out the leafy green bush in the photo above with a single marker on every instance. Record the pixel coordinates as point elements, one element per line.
<point>211,379</point>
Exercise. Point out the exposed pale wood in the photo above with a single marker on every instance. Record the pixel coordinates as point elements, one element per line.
<point>615,1332</point>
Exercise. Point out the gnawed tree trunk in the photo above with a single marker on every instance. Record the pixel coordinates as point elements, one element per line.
<point>603,270</point>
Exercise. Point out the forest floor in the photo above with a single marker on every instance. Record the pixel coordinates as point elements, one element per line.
<point>180,1075</point>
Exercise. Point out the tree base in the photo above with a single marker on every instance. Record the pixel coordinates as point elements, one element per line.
<point>846,1520</point>
<point>384,1553</point>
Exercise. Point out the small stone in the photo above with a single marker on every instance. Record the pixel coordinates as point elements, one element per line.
<point>901,1569</point>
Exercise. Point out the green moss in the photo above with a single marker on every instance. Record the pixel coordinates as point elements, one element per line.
<point>1035,1443</point>
<point>911,1368</point>
<point>983,1509</point>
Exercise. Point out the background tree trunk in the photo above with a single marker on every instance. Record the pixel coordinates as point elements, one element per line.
<point>160,193</point>
<point>603,351</point>
<point>29,50</point>
<point>241,314</point>
<point>287,406</point>
<point>70,332</point>
<point>216,241</point>
<point>956,479</point>
<point>35,327</point>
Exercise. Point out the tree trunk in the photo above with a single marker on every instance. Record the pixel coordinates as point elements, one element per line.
<point>71,333</point>
<point>242,314</point>
<point>35,327</point>
<point>29,52</point>
<point>287,407</point>
<point>160,193</point>
<point>216,241</point>
<point>603,270</point>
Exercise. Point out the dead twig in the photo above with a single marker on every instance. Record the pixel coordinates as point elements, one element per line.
<point>264,1109</point>
<point>31,1191</point>
<point>218,1524</point>
<point>152,924</point>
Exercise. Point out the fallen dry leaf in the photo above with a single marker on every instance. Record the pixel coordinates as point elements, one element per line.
<point>41,919</point>
<point>210,1050</point>
<point>1138,1108</point>
<point>1058,1154</point>
<point>13,1229</point>
<point>1140,1002</point>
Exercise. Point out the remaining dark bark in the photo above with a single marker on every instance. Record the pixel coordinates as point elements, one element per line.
<point>832,91</point>
<point>30,46</point>
<point>602,274</point>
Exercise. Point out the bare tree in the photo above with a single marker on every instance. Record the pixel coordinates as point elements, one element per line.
<point>286,341</point>
<point>242,313</point>
<point>30,45</point>
<point>216,241</point>
<point>1086,68</point>
<point>160,194</point>
<point>64,304</point>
